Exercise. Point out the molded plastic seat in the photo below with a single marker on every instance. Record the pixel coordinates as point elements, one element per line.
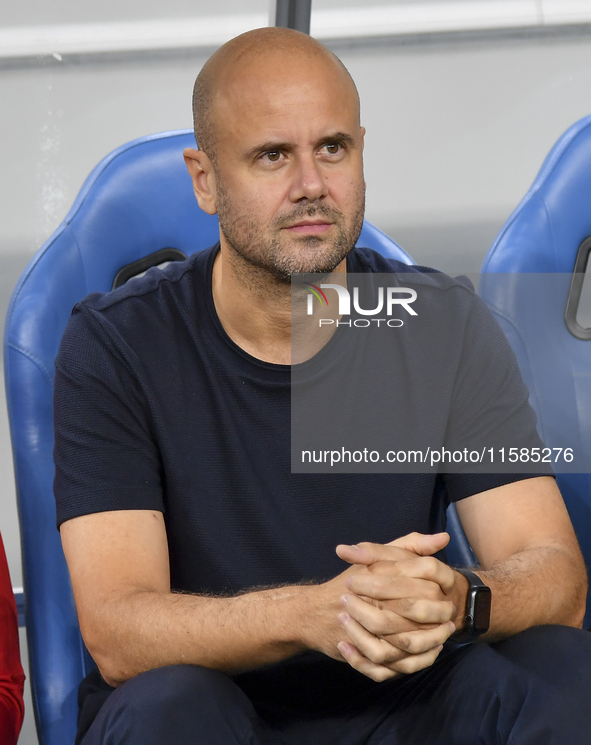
<point>542,238</point>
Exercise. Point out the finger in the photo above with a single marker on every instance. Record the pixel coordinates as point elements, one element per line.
<point>430,575</point>
<point>376,650</point>
<point>380,652</point>
<point>358,662</point>
<point>420,544</point>
<point>377,583</point>
<point>380,621</point>
<point>415,662</point>
<point>417,642</point>
<point>369,553</point>
<point>402,586</point>
<point>421,610</point>
<point>423,544</point>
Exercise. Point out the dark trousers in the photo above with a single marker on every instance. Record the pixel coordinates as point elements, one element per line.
<point>531,689</point>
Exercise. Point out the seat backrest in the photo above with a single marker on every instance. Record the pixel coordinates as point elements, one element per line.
<point>526,281</point>
<point>137,201</point>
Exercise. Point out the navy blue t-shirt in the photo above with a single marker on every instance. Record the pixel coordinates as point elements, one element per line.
<point>157,409</point>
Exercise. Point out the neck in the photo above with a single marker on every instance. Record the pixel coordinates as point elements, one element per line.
<point>255,309</point>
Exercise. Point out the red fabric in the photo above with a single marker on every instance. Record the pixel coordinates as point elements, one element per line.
<point>12,678</point>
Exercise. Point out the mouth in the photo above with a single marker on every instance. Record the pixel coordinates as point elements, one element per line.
<point>309,227</point>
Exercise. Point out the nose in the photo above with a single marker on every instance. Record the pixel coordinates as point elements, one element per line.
<point>308,182</point>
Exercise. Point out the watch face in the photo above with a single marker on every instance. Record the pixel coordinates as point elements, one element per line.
<point>482,609</point>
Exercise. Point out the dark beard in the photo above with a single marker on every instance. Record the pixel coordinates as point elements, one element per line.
<point>269,255</point>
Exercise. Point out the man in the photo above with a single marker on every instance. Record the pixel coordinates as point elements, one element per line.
<point>205,574</point>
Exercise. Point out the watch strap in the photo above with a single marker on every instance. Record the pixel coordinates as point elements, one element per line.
<point>477,611</point>
<point>472,578</point>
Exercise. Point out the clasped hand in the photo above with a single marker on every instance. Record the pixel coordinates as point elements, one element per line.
<point>397,611</point>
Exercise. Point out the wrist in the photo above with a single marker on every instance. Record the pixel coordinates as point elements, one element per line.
<point>459,596</point>
<point>288,607</point>
<point>476,620</point>
<point>310,614</point>
<point>317,625</point>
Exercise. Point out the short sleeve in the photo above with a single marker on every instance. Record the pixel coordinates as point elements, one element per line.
<point>105,454</point>
<point>491,412</point>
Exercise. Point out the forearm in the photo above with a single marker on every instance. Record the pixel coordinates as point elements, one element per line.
<point>536,586</point>
<point>146,629</point>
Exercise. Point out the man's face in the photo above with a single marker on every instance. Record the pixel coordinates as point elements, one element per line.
<point>289,173</point>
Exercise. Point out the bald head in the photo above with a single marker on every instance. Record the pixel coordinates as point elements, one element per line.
<point>257,56</point>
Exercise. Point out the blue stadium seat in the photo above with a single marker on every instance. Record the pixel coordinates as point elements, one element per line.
<point>528,283</point>
<point>137,201</point>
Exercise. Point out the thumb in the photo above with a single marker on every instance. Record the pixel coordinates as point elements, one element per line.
<point>406,547</point>
<point>422,544</point>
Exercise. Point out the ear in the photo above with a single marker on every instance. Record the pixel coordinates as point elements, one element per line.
<point>202,174</point>
<point>362,132</point>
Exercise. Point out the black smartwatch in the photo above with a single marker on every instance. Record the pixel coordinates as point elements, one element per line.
<point>477,616</point>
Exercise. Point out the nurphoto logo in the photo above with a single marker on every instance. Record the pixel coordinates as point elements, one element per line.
<point>395,297</point>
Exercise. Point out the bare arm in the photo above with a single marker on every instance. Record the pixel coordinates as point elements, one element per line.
<point>131,622</point>
<point>530,558</point>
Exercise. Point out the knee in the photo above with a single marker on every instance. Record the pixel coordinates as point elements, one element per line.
<point>561,642</point>
<point>176,686</point>
<point>171,704</point>
<point>560,654</point>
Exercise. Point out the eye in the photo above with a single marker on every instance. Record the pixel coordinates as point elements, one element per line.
<point>333,148</point>
<point>273,156</point>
